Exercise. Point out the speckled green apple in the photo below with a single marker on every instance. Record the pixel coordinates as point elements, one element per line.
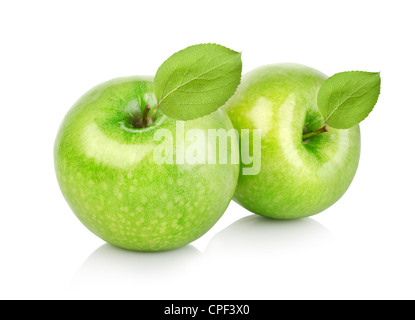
<point>297,178</point>
<point>107,173</point>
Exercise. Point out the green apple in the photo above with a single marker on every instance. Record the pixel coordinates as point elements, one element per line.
<point>106,168</point>
<point>298,178</point>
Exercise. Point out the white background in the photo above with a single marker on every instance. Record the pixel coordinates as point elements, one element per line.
<point>51,52</point>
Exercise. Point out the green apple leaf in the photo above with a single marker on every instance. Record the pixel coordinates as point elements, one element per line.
<point>197,80</point>
<point>347,98</point>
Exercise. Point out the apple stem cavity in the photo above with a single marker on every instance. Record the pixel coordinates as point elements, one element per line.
<point>322,129</point>
<point>141,119</point>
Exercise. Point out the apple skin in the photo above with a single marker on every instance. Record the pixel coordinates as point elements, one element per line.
<point>107,174</point>
<point>296,179</point>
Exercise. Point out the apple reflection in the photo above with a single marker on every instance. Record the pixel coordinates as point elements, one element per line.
<point>109,265</point>
<point>249,243</point>
<point>263,238</point>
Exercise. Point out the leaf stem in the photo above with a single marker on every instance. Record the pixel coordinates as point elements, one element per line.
<point>322,129</point>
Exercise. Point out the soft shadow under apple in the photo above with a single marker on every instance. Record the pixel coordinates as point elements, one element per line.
<point>109,265</point>
<point>263,238</point>
<point>253,240</point>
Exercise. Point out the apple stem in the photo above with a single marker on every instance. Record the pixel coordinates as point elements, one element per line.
<point>314,133</point>
<point>154,110</point>
<point>146,120</point>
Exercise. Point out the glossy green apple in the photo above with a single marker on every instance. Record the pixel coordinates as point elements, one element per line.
<point>107,173</point>
<point>297,178</point>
